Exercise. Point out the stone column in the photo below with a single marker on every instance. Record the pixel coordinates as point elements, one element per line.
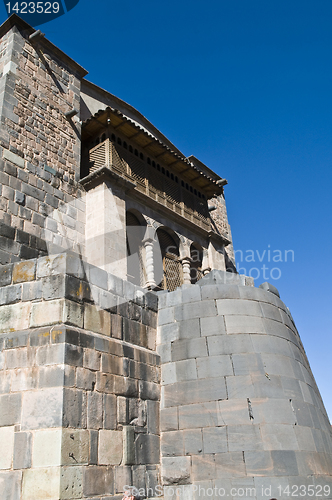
<point>149,242</point>
<point>186,261</point>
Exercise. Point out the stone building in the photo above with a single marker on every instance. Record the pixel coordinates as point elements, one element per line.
<point>132,353</point>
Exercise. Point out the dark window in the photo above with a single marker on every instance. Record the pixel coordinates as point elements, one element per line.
<point>167,173</point>
<point>103,137</point>
<point>191,189</point>
<point>162,170</point>
<point>172,177</point>
<point>182,184</point>
<point>97,140</point>
<point>141,156</point>
<point>125,145</point>
<point>119,141</point>
<point>113,138</point>
<point>149,161</point>
<point>158,167</point>
<point>176,179</point>
<point>131,149</point>
<point>136,152</point>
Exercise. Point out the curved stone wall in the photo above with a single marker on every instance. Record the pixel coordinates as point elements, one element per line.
<point>241,413</point>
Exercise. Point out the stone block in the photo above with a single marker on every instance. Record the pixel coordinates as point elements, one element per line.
<point>116,326</point>
<point>172,444</point>
<point>147,449</point>
<point>188,348</point>
<point>22,450</point>
<point>74,447</point>
<point>6,274</point>
<point>85,379</point>
<point>195,391</point>
<point>244,324</point>
<point>164,351</point>
<point>24,271</point>
<point>212,326</point>
<point>190,294</point>
<point>229,344</point>
<point>233,412</point>
<point>18,358</point>
<point>10,485</point>
<point>32,291</point>
<point>149,390</point>
<point>194,416</point>
<point>41,484</point>
<point>128,445</point>
<point>97,320</point>
<point>193,441</point>
<point>278,329</point>
<point>47,448</point>
<point>271,312</point>
<point>50,355</point>
<point>244,437</point>
<point>93,448</point>
<point>220,292</point>
<point>54,287</point>
<point>95,410</point>
<point>204,309</point>
<point>272,411</point>
<point>302,413</point>
<point>188,329</point>
<point>213,366</point>
<point>203,468</point>
<point>267,386</point>
<point>291,387</point>
<point>14,317</point>
<point>51,265</point>
<point>7,447</point>
<point>239,387</point>
<point>185,370</point>
<point>279,437</point>
<point>215,440</point>
<point>10,409</point>
<point>169,420</point>
<point>276,364</point>
<point>284,463</point>
<point>175,470</point>
<point>238,307</point>
<point>168,333</point>
<point>248,363</point>
<point>46,313</point>
<point>110,447</point>
<point>10,294</point>
<point>166,316</point>
<point>24,379</point>
<point>269,288</point>
<point>123,477</point>
<point>74,408</point>
<point>153,417</point>
<point>271,345</point>
<point>71,483</point>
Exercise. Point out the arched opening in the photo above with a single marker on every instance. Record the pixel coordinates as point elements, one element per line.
<point>172,277</point>
<point>135,233</point>
<point>196,256</point>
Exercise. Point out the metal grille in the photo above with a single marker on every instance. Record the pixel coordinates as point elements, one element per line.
<point>172,273</point>
<point>97,157</point>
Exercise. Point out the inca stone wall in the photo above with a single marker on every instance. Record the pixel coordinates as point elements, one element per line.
<point>40,148</point>
<point>240,407</point>
<point>79,383</point>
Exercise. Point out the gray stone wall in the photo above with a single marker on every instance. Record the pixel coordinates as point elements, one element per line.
<point>40,148</point>
<point>79,404</point>
<point>240,407</point>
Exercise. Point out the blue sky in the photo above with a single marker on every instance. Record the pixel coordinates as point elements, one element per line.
<point>244,85</point>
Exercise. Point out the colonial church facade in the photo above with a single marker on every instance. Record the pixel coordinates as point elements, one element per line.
<point>133,356</point>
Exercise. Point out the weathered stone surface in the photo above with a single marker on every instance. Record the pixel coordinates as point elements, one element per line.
<point>22,450</point>
<point>110,448</point>
<point>10,409</point>
<point>175,470</point>
<point>41,483</point>
<point>97,320</point>
<point>10,482</point>
<point>74,447</point>
<point>24,271</point>
<point>7,447</point>
<point>47,448</point>
<point>71,483</point>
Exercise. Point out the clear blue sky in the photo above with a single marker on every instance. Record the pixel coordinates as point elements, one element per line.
<point>244,85</point>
